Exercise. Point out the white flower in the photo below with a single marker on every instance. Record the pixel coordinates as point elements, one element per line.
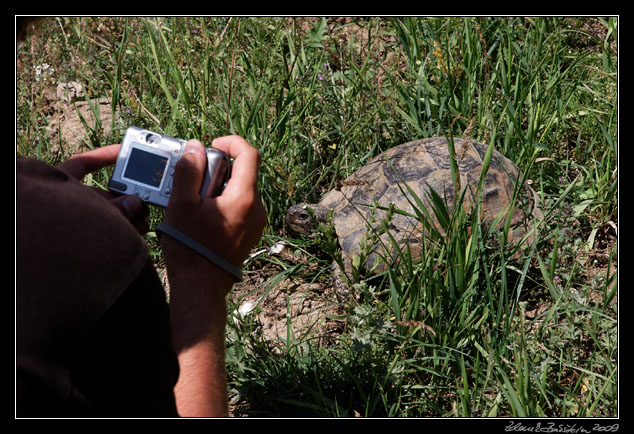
<point>40,69</point>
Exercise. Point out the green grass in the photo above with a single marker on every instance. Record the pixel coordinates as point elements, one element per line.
<point>475,327</point>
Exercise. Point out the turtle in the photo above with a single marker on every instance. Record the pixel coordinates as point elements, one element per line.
<point>362,203</point>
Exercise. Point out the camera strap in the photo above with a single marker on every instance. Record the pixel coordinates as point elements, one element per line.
<point>199,248</point>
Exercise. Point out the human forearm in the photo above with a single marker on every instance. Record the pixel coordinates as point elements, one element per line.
<point>199,339</point>
<point>201,390</point>
<point>198,315</point>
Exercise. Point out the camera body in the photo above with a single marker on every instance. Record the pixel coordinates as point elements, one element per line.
<point>145,167</point>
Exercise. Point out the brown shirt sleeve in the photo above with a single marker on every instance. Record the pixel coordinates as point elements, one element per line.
<point>76,257</point>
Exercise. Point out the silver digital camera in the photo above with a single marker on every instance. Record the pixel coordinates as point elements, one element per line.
<point>145,167</point>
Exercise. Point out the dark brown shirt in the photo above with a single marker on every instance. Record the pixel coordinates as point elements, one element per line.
<point>92,322</point>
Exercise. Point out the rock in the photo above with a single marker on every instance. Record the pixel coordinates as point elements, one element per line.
<point>69,91</point>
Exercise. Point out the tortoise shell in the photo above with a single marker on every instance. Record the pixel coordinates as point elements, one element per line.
<point>422,164</point>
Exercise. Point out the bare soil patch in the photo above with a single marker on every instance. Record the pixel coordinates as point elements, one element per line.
<point>290,305</point>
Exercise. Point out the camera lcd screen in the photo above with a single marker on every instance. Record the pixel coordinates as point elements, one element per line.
<point>146,167</point>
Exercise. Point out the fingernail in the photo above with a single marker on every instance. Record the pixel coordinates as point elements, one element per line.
<point>192,147</point>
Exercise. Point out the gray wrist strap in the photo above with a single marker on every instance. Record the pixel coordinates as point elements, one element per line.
<point>199,248</point>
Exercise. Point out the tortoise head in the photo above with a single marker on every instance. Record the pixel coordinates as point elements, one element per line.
<point>304,218</point>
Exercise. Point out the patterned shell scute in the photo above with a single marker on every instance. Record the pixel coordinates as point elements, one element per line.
<point>422,164</point>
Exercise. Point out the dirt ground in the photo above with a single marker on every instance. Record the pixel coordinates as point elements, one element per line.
<point>276,302</point>
<point>66,115</point>
<point>307,308</point>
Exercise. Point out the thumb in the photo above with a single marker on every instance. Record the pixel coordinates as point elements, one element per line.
<point>188,175</point>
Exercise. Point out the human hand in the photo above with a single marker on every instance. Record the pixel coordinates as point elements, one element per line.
<point>229,224</point>
<point>130,206</point>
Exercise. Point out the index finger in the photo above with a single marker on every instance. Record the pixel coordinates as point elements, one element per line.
<point>246,159</point>
<point>82,164</point>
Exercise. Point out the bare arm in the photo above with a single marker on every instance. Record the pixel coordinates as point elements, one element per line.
<point>198,313</point>
<point>229,225</point>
